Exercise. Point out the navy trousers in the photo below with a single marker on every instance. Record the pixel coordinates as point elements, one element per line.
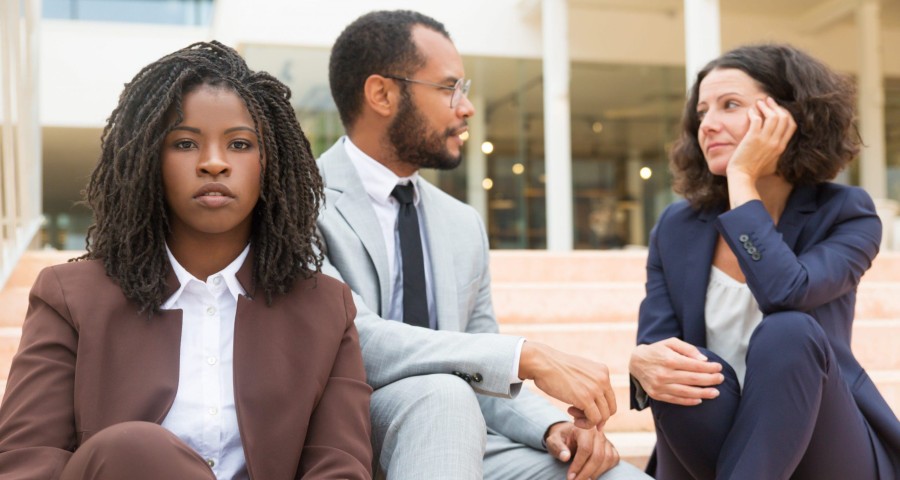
<point>795,418</point>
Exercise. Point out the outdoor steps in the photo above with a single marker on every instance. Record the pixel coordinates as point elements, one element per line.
<point>586,303</point>
<point>582,302</point>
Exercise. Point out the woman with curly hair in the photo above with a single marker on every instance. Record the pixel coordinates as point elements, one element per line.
<point>196,338</point>
<point>744,335</point>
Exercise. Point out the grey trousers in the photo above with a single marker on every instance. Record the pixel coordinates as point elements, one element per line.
<point>431,426</point>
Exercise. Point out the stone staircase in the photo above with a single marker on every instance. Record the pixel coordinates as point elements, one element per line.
<point>582,302</point>
<point>586,303</point>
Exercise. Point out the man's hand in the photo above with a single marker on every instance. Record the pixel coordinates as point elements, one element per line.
<point>675,371</point>
<point>594,454</point>
<point>577,381</point>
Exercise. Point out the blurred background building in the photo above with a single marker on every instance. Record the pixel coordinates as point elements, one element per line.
<point>577,101</point>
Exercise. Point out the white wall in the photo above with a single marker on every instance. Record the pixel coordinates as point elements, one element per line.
<point>84,65</point>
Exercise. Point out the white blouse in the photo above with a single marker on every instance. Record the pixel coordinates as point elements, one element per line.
<point>731,316</point>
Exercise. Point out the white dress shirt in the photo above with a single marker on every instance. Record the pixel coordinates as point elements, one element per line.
<point>203,414</point>
<point>379,181</point>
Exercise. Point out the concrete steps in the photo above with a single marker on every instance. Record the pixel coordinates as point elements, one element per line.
<point>584,303</point>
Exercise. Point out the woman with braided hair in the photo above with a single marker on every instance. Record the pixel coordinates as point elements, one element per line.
<point>196,338</point>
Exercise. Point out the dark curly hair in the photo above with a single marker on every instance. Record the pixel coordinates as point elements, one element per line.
<point>377,43</point>
<point>820,100</point>
<point>126,194</point>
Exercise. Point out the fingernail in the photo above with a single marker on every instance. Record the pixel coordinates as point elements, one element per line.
<point>571,476</point>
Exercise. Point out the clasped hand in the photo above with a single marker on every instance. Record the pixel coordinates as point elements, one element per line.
<point>577,381</point>
<point>675,371</point>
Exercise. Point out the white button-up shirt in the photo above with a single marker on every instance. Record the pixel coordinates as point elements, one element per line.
<point>203,414</point>
<point>379,183</point>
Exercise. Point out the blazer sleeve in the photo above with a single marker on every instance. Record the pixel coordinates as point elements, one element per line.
<point>393,350</point>
<point>337,443</point>
<point>37,426</point>
<point>831,267</point>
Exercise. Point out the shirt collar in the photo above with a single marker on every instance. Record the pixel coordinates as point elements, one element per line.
<point>379,181</point>
<point>229,274</point>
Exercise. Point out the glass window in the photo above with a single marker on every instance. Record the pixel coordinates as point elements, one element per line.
<point>175,12</point>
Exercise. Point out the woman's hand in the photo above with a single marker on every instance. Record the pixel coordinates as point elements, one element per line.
<point>675,371</point>
<point>770,131</point>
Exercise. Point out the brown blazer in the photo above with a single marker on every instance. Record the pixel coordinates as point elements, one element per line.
<point>88,360</point>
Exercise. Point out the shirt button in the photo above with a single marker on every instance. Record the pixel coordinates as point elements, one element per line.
<point>210,462</point>
<point>211,360</point>
<point>213,410</point>
<point>217,281</point>
<point>210,311</point>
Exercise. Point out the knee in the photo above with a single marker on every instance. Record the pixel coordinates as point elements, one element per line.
<point>449,395</point>
<point>126,439</point>
<point>436,401</point>
<point>789,337</point>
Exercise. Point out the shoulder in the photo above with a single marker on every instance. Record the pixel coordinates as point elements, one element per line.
<point>448,204</point>
<point>80,275</point>
<point>678,213</point>
<point>850,196</point>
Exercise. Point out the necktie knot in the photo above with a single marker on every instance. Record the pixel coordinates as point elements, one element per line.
<point>403,193</point>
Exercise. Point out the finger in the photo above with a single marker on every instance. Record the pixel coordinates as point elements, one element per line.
<point>686,364</point>
<point>697,379</point>
<point>610,396</point>
<point>780,116</point>
<point>683,395</point>
<point>592,416</point>
<point>685,349</point>
<point>557,447</point>
<point>583,453</point>
<point>770,119</point>
<point>790,126</point>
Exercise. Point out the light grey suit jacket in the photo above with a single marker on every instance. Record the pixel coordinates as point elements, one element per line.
<point>467,339</point>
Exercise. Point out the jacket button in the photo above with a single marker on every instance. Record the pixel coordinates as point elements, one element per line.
<point>756,256</point>
<point>751,250</point>
<point>477,377</point>
<point>743,238</point>
<point>463,376</point>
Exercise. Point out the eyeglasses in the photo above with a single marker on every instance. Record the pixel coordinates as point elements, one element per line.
<point>460,88</point>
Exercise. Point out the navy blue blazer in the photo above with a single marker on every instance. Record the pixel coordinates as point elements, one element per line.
<point>810,262</point>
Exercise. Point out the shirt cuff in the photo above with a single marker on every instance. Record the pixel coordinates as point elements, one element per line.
<point>514,374</point>
<point>640,395</point>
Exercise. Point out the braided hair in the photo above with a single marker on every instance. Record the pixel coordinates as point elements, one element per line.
<point>126,194</point>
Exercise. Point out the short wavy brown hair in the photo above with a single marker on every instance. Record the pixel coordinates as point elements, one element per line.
<point>821,101</point>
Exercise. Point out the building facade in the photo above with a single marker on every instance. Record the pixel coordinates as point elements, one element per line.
<point>577,101</point>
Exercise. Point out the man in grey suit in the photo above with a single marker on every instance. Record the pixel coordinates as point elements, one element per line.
<point>448,401</point>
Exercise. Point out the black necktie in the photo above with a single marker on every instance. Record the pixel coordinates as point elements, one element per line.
<point>415,298</point>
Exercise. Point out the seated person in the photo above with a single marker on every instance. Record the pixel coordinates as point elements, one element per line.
<point>195,339</point>
<point>744,335</point>
<point>418,260</point>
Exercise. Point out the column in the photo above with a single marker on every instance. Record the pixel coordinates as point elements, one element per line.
<point>702,38</point>
<point>476,160</point>
<point>557,127</point>
<point>871,100</point>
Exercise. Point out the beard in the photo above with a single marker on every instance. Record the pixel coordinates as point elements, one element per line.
<point>415,143</point>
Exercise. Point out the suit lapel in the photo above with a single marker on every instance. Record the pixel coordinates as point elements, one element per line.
<point>443,272</point>
<point>801,203</point>
<point>696,261</point>
<point>355,207</point>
